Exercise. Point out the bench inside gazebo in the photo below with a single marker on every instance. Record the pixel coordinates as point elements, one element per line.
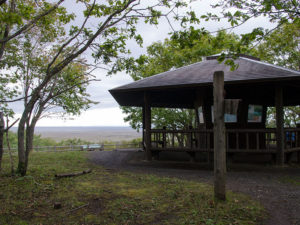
<point>249,90</point>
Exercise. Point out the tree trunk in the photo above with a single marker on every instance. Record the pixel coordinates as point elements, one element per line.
<point>29,137</point>
<point>10,154</point>
<point>21,150</point>
<point>22,169</point>
<point>30,132</point>
<point>29,143</point>
<point>1,137</point>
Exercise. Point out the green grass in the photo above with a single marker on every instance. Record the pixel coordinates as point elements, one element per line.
<point>111,197</point>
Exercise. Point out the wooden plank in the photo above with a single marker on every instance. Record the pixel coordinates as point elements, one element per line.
<point>208,141</point>
<point>257,141</point>
<point>197,117</point>
<point>268,140</point>
<point>247,141</point>
<point>237,140</point>
<point>227,140</point>
<point>147,126</point>
<point>219,137</point>
<point>279,126</point>
<point>164,139</point>
<point>260,151</point>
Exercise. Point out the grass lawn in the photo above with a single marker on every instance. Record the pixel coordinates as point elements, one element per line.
<point>111,197</point>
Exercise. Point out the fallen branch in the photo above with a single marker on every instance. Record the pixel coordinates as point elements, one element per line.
<point>80,207</point>
<point>72,174</point>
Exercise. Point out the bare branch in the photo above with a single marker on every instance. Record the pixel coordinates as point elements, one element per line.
<point>66,61</point>
<point>14,100</point>
<point>71,39</point>
<point>7,128</point>
<point>170,24</point>
<point>230,28</point>
<point>66,89</point>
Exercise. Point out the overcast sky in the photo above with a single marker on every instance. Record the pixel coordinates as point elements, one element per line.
<point>107,112</point>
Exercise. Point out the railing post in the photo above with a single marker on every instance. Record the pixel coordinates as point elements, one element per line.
<point>190,138</point>
<point>164,138</point>
<point>219,137</point>
<point>237,143</point>
<point>143,128</point>
<point>247,141</point>
<point>257,140</point>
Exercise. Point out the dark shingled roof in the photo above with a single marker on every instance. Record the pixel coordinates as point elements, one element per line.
<point>201,74</point>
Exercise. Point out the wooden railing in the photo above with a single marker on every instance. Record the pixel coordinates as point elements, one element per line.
<point>91,147</point>
<point>237,140</point>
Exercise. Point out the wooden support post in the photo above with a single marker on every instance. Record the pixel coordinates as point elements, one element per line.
<point>197,118</point>
<point>279,126</point>
<point>164,145</point>
<point>143,128</point>
<point>147,126</point>
<point>219,137</point>
<point>1,136</point>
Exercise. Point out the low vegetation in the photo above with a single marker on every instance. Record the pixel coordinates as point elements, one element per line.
<point>41,141</point>
<point>112,197</point>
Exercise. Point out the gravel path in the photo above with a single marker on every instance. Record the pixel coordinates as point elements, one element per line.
<point>266,184</point>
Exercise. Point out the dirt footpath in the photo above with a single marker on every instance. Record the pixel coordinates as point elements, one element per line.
<point>271,186</point>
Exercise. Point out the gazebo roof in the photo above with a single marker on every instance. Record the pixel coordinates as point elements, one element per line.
<point>199,75</point>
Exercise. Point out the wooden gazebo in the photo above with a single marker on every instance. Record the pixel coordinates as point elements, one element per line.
<point>252,87</point>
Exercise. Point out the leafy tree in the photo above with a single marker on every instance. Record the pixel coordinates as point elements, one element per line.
<point>238,12</point>
<point>66,94</point>
<point>282,48</point>
<point>17,17</point>
<point>117,22</point>
<point>182,48</point>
